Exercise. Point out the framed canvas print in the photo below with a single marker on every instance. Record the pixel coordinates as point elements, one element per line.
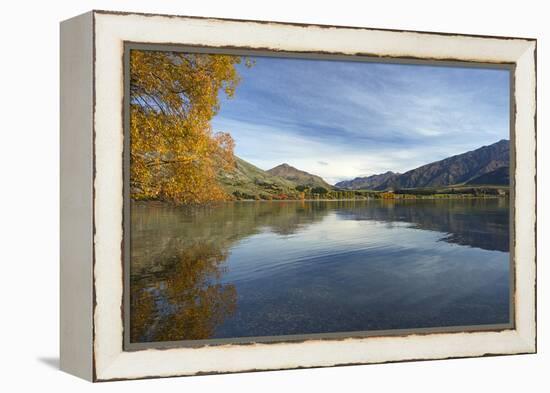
<point>245,195</point>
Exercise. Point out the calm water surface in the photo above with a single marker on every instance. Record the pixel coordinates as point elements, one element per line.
<point>247,269</point>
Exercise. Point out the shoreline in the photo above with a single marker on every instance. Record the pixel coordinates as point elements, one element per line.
<point>366,199</point>
<point>423,198</point>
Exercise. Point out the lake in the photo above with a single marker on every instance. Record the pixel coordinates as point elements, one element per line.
<point>248,269</point>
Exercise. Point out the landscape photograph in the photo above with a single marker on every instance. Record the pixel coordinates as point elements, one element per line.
<point>282,197</point>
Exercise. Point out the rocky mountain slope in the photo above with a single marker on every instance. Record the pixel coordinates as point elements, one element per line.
<point>459,169</point>
<point>368,182</point>
<point>497,177</point>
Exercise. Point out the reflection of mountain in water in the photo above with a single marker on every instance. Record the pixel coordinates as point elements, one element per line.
<point>176,293</point>
<point>179,254</point>
<point>480,223</point>
<point>161,229</point>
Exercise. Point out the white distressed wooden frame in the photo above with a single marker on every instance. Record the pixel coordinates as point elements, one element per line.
<point>92,194</point>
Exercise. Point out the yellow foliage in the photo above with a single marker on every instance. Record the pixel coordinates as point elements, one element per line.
<point>174,153</point>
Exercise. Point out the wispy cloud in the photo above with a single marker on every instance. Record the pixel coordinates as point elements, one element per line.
<point>345,119</point>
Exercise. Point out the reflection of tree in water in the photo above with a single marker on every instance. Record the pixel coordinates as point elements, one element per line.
<point>178,257</point>
<point>160,230</point>
<point>185,302</point>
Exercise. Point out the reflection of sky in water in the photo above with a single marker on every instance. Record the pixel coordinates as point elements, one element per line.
<point>343,275</point>
<point>317,267</point>
<point>268,253</point>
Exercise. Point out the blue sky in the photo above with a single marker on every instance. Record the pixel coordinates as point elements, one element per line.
<point>341,120</point>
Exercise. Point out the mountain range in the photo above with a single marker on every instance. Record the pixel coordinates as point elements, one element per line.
<point>372,182</point>
<point>488,165</point>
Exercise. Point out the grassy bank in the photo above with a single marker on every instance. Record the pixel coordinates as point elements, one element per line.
<point>455,192</point>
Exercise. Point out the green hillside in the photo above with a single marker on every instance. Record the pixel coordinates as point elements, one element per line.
<point>299,177</point>
<point>247,181</point>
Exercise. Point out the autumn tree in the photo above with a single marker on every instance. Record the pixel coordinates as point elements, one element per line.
<point>174,153</point>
